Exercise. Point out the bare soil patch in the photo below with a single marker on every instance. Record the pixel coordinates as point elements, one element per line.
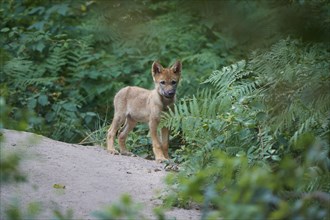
<point>93,179</point>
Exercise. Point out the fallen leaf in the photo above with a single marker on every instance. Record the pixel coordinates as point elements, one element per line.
<point>58,186</point>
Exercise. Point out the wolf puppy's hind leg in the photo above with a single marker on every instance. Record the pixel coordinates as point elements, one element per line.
<point>117,121</point>
<point>121,116</point>
<point>129,125</point>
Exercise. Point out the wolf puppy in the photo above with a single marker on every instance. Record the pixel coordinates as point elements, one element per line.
<point>135,104</point>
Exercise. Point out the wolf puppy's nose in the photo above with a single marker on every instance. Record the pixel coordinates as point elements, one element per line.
<point>171,93</point>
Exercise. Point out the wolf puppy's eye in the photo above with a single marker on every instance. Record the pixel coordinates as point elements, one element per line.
<point>162,82</point>
<point>173,82</point>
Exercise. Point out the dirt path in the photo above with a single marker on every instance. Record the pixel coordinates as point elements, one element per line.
<point>93,179</point>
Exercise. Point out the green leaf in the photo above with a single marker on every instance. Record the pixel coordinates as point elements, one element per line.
<point>61,9</point>
<point>276,158</point>
<point>38,10</point>
<point>39,46</point>
<point>70,106</point>
<point>92,114</point>
<point>5,30</point>
<point>43,100</point>
<point>11,34</point>
<point>50,116</point>
<point>240,154</point>
<point>32,103</point>
<point>58,186</point>
<point>261,116</point>
<point>38,25</point>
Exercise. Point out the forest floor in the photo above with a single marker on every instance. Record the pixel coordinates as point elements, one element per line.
<point>84,179</point>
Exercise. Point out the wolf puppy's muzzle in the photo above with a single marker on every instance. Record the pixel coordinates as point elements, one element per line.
<point>169,93</point>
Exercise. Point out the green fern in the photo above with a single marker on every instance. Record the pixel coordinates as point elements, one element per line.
<point>297,79</point>
<point>80,58</point>
<point>56,61</point>
<point>223,79</point>
<point>262,107</point>
<point>22,73</point>
<point>211,120</point>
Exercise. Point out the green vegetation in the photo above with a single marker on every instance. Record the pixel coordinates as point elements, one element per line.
<point>257,139</point>
<point>124,208</point>
<point>251,128</point>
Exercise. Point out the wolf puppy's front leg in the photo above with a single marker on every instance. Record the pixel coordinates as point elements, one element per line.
<point>156,144</point>
<point>165,140</point>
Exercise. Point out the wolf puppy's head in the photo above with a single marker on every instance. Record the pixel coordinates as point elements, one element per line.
<point>166,79</point>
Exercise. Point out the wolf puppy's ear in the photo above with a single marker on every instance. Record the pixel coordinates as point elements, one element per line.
<point>156,68</point>
<point>177,66</point>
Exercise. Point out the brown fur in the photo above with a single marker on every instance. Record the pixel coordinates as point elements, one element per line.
<point>135,104</point>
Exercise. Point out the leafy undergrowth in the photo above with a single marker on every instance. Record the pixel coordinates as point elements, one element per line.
<point>257,143</point>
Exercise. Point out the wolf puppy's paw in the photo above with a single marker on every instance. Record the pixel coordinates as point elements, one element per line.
<point>161,160</point>
<point>127,153</point>
<point>113,151</point>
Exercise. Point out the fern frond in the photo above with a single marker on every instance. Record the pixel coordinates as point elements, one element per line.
<point>298,80</point>
<point>229,74</point>
<point>24,82</point>
<point>56,61</point>
<point>22,73</point>
<point>79,60</point>
<point>18,67</point>
<point>194,116</point>
<point>244,89</point>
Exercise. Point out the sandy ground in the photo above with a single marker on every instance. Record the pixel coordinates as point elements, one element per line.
<point>93,179</point>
